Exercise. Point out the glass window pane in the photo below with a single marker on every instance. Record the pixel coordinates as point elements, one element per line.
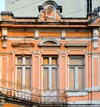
<point>76,61</point>
<point>28,77</point>
<point>71,78</point>
<point>28,60</point>
<point>54,78</point>
<point>45,78</point>
<point>80,78</point>
<point>19,60</point>
<point>19,77</point>
<point>45,61</point>
<point>54,61</point>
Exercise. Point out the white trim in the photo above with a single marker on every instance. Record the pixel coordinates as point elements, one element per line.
<point>85,102</point>
<point>60,71</point>
<point>87,72</point>
<point>76,94</point>
<point>56,38</point>
<point>63,33</point>
<point>36,33</point>
<point>51,50</point>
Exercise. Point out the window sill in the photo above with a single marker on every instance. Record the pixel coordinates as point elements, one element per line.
<point>77,90</point>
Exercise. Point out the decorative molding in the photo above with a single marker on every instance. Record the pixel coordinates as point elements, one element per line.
<point>58,51</point>
<point>56,38</point>
<point>83,103</point>
<point>76,44</point>
<point>23,44</point>
<point>36,34</point>
<point>95,87</point>
<point>76,94</point>
<point>63,34</point>
<point>55,43</point>
<point>87,71</point>
<point>95,38</point>
<point>4,38</point>
<point>4,41</point>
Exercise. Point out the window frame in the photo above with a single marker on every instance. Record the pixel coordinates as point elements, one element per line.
<point>76,72</point>
<point>50,67</point>
<point>23,66</point>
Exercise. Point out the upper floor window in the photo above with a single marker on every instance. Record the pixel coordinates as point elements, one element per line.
<point>76,72</point>
<point>50,72</point>
<point>23,71</point>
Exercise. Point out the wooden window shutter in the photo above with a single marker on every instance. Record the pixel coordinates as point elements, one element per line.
<point>72,78</point>
<point>54,78</point>
<point>80,78</point>
<point>19,78</point>
<point>28,77</point>
<point>45,78</point>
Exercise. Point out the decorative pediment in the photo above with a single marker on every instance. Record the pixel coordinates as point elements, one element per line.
<point>50,43</point>
<point>50,11</point>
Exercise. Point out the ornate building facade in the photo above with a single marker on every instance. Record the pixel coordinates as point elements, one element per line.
<point>49,60</point>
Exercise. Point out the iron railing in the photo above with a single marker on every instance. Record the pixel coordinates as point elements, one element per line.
<point>18,91</point>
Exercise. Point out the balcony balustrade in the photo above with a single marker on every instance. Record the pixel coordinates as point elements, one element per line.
<point>33,95</point>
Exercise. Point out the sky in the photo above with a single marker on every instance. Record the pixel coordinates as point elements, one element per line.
<point>2,5</point>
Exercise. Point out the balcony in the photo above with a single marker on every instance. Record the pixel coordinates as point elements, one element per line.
<point>19,92</point>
